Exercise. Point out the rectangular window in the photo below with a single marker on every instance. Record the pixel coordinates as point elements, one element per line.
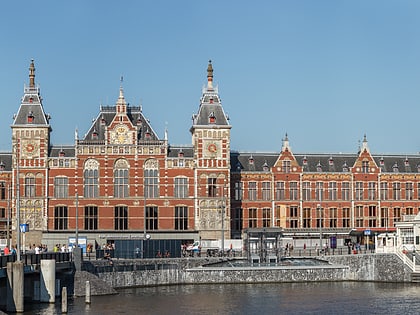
<point>372,191</point>
<point>332,191</point>
<point>293,217</point>
<point>91,182</point>
<point>306,191</point>
<point>320,219</point>
<point>359,216</point>
<point>346,217</point>
<point>91,218</point>
<point>345,191</point>
<point>239,191</point>
<point>397,214</point>
<point>61,217</point>
<point>252,217</point>
<point>384,217</point>
<point>2,190</point>
<point>151,183</point>
<point>237,219</point>
<point>306,217</point>
<point>29,186</point>
<point>365,167</point>
<point>409,192</point>
<point>294,195</point>
<point>333,217</point>
<point>181,187</point>
<point>266,220</point>
<point>120,183</point>
<point>372,216</point>
<point>121,218</point>
<point>211,187</point>
<point>266,191</point>
<point>252,191</point>
<point>384,191</point>
<point>181,218</point>
<point>396,191</point>
<point>151,218</point>
<point>279,190</point>
<point>319,191</point>
<point>61,187</point>
<point>286,166</point>
<point>359,190</point>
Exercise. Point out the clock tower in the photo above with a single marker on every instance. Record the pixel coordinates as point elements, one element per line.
<point>30,139</point>
<point>211,142</point>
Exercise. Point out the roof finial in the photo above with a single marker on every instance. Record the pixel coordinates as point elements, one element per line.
<point>32,74</point>
<point>210,75</point>
<point>365,144</point>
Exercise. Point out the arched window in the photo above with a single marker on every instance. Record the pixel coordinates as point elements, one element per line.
<point>121,179</point>
<point>91,178</point>
<point>151,179</point>
<point>30,185</point>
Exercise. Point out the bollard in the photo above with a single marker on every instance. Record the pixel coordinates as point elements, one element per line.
<point>87,300</point>
<point>64,300</point>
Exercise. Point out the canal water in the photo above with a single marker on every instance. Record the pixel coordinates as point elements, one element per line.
<point>280,298</point>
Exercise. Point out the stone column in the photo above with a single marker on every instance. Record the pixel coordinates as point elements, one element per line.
<point>47,279</point>
<point>15,287</point>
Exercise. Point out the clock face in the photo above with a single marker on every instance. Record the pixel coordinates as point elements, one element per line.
<point>30,149</point>
<point>120,135</point>
<point>212,149</point>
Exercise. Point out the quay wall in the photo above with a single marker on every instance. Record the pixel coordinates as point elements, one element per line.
<point>370,267</point>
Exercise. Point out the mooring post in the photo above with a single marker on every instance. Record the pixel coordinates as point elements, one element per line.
<point>47,278</point>
<point>87,300</point>
<point>64,300</point>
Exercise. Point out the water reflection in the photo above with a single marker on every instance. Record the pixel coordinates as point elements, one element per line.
<point>282,298</point>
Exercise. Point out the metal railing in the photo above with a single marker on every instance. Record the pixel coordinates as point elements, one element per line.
<point>35,259</point>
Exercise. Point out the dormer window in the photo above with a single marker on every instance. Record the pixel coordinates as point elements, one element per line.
<point>95,135</point>
<point>305,161</point>
<point>238,167</point>
<point>395,167</point>
<point>406,163</point>
<point>319,167</point>
<point>418,168</point>
<point>265,167</point>
<point>2,166</point>
<point>211,100</point>
<point>212,118</point>
<point>30,117</point>
<point>139,121</point>
<point>147,135</point>
<point>62,153</point>
<point>103,121</point>
<point>331,161</point>
<point>251,160</point>
<point>31,99</point>
<point>345,167</point>
<point>381,162</point>
<point>181,154</point>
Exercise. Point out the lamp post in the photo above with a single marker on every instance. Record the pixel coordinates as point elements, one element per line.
<point>320,226</point>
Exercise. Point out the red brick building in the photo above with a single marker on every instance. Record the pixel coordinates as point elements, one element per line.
<point>120,180</point>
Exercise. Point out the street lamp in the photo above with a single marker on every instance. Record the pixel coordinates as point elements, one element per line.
<point>320,225</point>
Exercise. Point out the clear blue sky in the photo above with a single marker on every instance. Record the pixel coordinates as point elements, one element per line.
<point>325,72</point>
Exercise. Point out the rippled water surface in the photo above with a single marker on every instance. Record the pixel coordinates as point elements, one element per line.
<point>282,298</point>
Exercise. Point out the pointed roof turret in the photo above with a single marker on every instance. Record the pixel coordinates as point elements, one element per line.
<point>31,111</point>
<point>210,112</point>
<point>285,146</point>
<point>365,144</point>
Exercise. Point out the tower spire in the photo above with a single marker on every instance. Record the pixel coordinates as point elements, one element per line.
<point>210,75</point>
<point>32,75</point>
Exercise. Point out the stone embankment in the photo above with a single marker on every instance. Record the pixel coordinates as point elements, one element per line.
<point>105,277</point>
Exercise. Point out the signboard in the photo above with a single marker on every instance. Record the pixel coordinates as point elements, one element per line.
<point>24,227</point>
<point>368,232</point>
<point>82,240</point>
